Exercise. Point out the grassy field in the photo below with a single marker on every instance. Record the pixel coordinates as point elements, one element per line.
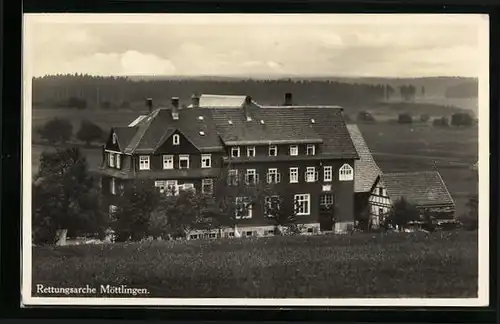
<point>363,265</point>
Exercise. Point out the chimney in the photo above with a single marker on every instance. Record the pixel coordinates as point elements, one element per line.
<point>149,104</point>
<point>246,107</point>
<point>195,101</point>
<point>175,108</point>
<point>288,99</point>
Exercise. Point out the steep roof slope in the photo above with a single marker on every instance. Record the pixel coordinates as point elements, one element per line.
<point>366,169</point>
<point>425,188</point>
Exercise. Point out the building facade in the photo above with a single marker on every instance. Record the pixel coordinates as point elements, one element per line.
<point>303,154</point>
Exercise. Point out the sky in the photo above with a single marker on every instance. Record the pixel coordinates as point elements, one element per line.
<point>255,45</point>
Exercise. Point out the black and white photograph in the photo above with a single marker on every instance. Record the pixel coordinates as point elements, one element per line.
<point>255,159</point>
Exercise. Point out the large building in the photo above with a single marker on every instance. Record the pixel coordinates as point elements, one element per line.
<point>306,153</point>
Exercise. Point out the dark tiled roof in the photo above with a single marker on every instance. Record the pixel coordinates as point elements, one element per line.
<point>159,124</point>
<point>124,135</point>
<point>423,189</point>
<point>365,169</point>
<point>294,124</point>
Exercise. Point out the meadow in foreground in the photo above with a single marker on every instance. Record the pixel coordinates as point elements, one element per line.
<point>441,264</point>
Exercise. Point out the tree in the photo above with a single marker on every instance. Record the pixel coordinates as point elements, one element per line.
<point>440,122</point>
<point>405,118</point>
<point>137,201</point>
<point>89,132</point>
<point>424,118</point>
<point>74,102</point>
<point>365,116</point>
<point>57,130</point>
<point>65,197</point>
<point>462,119</point>
<point>283,212</point>
<point>470,219</point>
<point>401,213</point>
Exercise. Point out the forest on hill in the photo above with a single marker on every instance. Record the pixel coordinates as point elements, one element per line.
<point>85,91</point>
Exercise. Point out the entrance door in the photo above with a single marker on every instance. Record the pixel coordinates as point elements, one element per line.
<point>326,211</point>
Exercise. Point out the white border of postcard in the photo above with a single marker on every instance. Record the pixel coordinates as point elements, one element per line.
<point>482,22</point>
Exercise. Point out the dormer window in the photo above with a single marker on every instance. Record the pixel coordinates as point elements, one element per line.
<point>346,173</point>
<point>251,151</point>
<point>235,151</point>
<point>176,139</point>
<point>273,150</point>
<point>294,150</point>
<point>114,138</point>
<point>311,149</point>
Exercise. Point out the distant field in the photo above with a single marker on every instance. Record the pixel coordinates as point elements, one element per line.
<point>441,264</point>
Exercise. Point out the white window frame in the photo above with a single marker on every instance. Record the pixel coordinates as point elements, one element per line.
<point>322,199</point>
<point>168,162</point>
<point>205,158</point>
<point>118,160</point>
<point>232,177</point>
<point>271,148</point>
<point>243,200</point>
<point>310,174</point>
<point>250,149</point>
<point>294,150</point>
<point>115,138</point>
<point>207,182</point>
<point>186,187</point>
<point>301,198</point>
<point>327,173</point>
<point>176,139</point>
<point>184,157</point>
<point>294,171</point>
<point>235,149</point>
<point>161,185</point>
<point>111,161</point>
<point>273,176</point>
<point>267,204</point>
<point>346,173</point>
<point>144,162</point>
<point>250,172</point>
<point>311,146</point>
<point>112,186</point>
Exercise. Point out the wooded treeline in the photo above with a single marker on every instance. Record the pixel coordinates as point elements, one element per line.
<point>85,91</point>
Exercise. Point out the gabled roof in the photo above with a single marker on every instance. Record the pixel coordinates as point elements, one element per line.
<point>154,129</point>
<point>424,189</point>
<point>365,169</point>
<point>124,135</point>
<point>221,101</point>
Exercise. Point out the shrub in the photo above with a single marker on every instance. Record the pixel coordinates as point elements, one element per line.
<point>461,119</point>
<point>440,122</point>
<point>405,118</point>
<point>424,118</point>
<point>89,132</point>
<point>365,116</point>
<point>57,130</point>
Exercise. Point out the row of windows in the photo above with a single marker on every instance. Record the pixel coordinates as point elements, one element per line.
<point>168,162</point>
<point>171,187</point>
<point>346,173</point>
<point>293,150</point>
<point>114,160</point>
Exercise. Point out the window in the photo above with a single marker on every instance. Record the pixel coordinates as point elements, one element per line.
<point>311,149</point>
<point>273,150</point>
<point>112,186</point>
<point>294,150</point>
<point>168,162</point>
<point>326,200</point>
<point>248,233</point>
<point>311,174</point>
<point>118,161</point>
<point>380,192</point>
<point>206,160</point>
<point>176,139</point>
<point>114,138</point>
<point>302,204</point>
<point>143,162</point>
<point>193,237</point>
<point>384,192</point>
<point>251,176</point>
<point>212,235</point>
<point>186,187</point>
<point>232,177</point>
<point>112,160</point>
<point>346,173</point>
<point>380,211</point>
<point>243,208</point>
<point>207,186</point>
<point>112,210</point>
<point>270,232</point>
<point>161,185</point>
<point>273,176</point>
<point>172,188</point>
<point>184,162</point>
<point>235,151</point>
<point>271,203</point>
<point>294,175</point>
<point>251,151</point>
<point>327,173</point>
